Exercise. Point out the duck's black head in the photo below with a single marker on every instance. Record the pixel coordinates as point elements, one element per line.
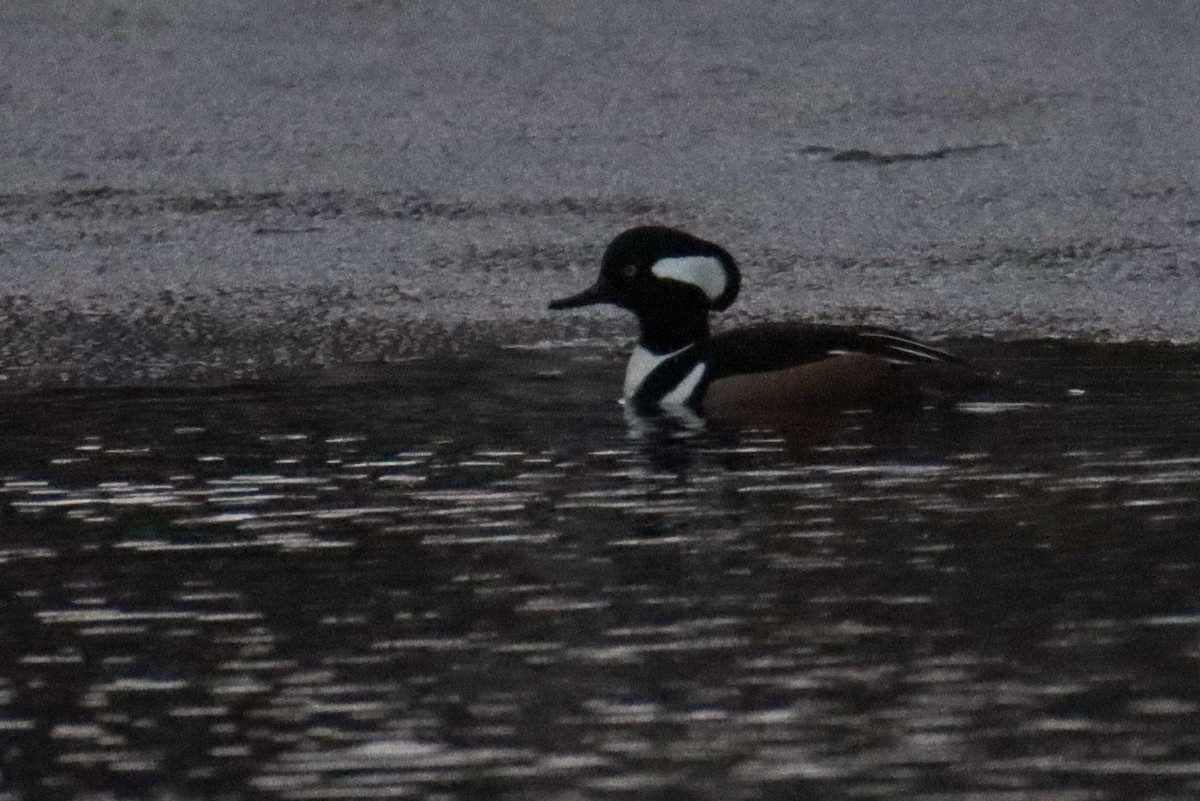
<point>670,279</point>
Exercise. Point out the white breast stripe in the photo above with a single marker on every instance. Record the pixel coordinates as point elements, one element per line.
<point>704,272</point>
<point>641,364</point>
<point>681,393</point>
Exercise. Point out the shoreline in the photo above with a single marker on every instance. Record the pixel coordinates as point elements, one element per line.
<point>182,188</point>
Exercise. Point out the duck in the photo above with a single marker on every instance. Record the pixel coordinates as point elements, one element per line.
<point>672,281</point>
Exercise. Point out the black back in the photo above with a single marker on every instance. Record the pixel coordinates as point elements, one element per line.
<point>778,346</point>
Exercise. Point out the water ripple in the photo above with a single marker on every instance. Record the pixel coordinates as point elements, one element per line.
<point>362,593</point>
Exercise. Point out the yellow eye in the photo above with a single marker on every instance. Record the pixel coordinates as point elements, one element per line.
<point>630,270</point>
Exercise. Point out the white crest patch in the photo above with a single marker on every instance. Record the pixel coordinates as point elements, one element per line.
<point>705,272</point>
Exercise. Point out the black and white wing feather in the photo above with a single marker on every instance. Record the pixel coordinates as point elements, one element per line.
<point>897,349</point>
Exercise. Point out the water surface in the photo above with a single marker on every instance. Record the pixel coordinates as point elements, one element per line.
<point>474,578</point>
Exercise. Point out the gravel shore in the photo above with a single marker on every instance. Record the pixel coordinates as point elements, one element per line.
<point>228,188</point>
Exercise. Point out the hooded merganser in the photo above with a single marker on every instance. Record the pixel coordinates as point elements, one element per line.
<point>671,280</point>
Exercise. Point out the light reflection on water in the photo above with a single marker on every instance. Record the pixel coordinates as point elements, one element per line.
<point>407,583</point>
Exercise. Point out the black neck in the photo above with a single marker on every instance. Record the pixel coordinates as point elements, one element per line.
<point>665,333</point>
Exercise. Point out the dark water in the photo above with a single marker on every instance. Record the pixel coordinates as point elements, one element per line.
<point>475,579</point>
